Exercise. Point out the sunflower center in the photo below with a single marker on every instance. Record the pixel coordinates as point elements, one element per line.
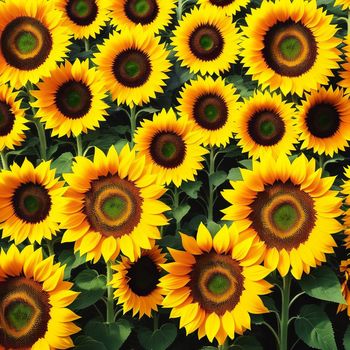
<point>31,202</point>
<point>143,276</point>
<point>266,128</point>
<point>290,48</point>
<point>168,149</point>
<point>73,99</point>
<point>24,312</point>
<point>210,111</point>
<point>82,12</point>
<point>132,68</point>
<point>113,206</point>
<point>141,11</point>
<point>26,42</point>
<point>7,119</point>
<point>221,2</point>
<point>216,282</point>
<point>323,120</point>
<point>206,42</point>
<point>283,215</point>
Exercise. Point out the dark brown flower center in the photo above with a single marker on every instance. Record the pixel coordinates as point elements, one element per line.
<point>113,206</point>
<point>73,99</point>
<point>143,276</point>
<point>290,48</point>
<point>168,149</point>
<point>266,128</point>
<point>216,282</point>
<point>221,3</point>
<point>25,43</point>
<point>82,12</point>
<point>210,111</point>
<point>141,11</point>
<point>206,42</point>
<point>323,120</point>
<point>31,202</point>
<point>7,119</point>
<point>24,312</point>
<point>283,215</point>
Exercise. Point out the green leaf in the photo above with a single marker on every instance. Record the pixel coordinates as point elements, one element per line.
<point>218,178</point>
<point>246,342</point>
<point>120,144</point>
<point>234,174</point>
<point>213,227</point>
<point>71,260</point>
<point>87,343</point>
<point>91,286</point>
<point>322,283</point>
<point>191,188</point>
<point>63,164</point>
<point>247,163</point>
<point>160,339</point>
<point>149,110</point>
<point>209,348</point>
<point>314,328</point>
<point>180,212</point>
<point>112,335</point>
<point>346,340</point>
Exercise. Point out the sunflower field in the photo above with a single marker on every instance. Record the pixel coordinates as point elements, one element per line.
<point>174,174</point>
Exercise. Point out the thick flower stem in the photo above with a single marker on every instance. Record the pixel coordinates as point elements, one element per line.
<point>132,117</point>
<point>4,160</point>
<point>211,186</point>
<point>176,204</point>
<point>110,300</point>
<point>79,145</point>
<point>42,138</point>
<point>287,280</point>
<point>86,44</point>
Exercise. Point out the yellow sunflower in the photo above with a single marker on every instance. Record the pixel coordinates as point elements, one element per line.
<point>32,39</point>
<point>289,208</point>
<point>324,121</point>
<point>290,45</point>
<point>171,146</point>
<point>206,41</point>
<point>346,192</point>
<point>70,101</point>
<point>344,268</point>
<point>228,7</point>
<point>213,285</point>
<point>345,4</point>
<point>112,204</point>
<point>152,15</point>
<point>345,82</point>
<point>212,106</point>
<point>134,64</point>
<point>33,302</point>
<point>12,119</point>
<point>30,202</point>
<point>136,283</point>
<point>84,18</point>
<point>265,124</point>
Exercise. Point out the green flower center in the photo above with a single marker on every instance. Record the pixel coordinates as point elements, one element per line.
<point>284,217</point>
<point>211,112</point>
<point>132,69</point>
<point>218,284</point>
<point>290,48</point>
<point>267,127</point>
<point>141,7</point>
<point>206,42</point>
<point>26,42</point>
<point>19,314</point>
<point>31,203</point>
<point>168,149</point>
<point>114,207</point>
<point>73,98</point>
<point>82,8</point>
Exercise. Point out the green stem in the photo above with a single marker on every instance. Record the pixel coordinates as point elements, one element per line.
<point>42,138</point>
<point>211,186</point>
<point>155,320</point>
<point>179,10</point>
<point>79,145</point>
<point>50,247</point>
<point>348,23</point>
<point>321,161</point>
<point>175,205</point>
<point>4,160</point>
<point>287,280</point>
<point>132,117</point>
<point>110,300</point>
<point>223,346</point>
<point>86,44</point>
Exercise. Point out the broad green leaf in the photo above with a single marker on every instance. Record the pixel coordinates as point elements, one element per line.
<point>245,342</point>
<point>234,175</point>
<point>218,178</point>
<point>247,163</point>
<point>87,343</point>
<point>181,211</point>
<point>314,328</point>
<point>346,340</point>
<point>63,164</point>
<point>71,260</point>
<point>160,339</point>
<point>213,227</point>
<point>191,188</point>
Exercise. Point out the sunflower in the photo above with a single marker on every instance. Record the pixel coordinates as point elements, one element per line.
<point>152,15</point>
<point>32,39</point>
<point>84,18</point>
<point>206,41</point>
<point>212,106</point>
<point>172,146</point>
<point>346,192</point>
<point>30,202</point>
<point>134,63</point>
<point>136,283</point>
<point>345,82</point>
<point>33,302</point>
<point>345,4</point>
<point>289,208</point>
<point>12,119</point>
<point>290,45</point>
<point>265,124</point>
<point>344,268</point>
<point>228,7</point>
<point>213,285</point>
<point>324,121</point>
<point>70,101</point>
<point>112,204</point>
